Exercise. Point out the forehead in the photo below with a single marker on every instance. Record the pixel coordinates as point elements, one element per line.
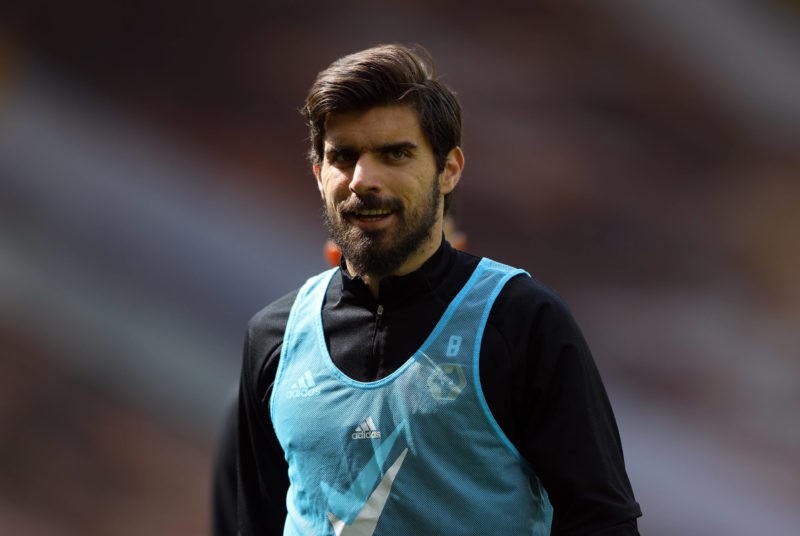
<point>376,126</point>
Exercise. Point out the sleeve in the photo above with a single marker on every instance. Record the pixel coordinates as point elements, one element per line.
<point>262,471</point>
<point>559,414</point>
<point>223,484</point>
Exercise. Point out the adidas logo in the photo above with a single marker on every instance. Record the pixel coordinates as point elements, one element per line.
<point>366,430</point>
<point>304,387</point>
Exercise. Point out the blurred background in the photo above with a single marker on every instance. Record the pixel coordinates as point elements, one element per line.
<point>639,157</point>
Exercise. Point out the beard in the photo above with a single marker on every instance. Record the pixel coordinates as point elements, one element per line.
<point>380,253</point>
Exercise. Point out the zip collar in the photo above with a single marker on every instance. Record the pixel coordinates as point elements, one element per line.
<point>396,290</point>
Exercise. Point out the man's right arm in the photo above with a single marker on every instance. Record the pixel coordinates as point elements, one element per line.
<point>262,472</point>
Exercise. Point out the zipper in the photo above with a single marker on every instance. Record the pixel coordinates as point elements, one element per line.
<point>378,317</point>
<point>376,332</point>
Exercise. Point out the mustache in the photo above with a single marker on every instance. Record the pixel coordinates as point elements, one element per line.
<point>368,202</point>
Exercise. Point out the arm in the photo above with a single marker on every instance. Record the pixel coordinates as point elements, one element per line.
<point>262,472</point>
<point>557,412</point>
<point>223,484</point>
<point>574,445</point>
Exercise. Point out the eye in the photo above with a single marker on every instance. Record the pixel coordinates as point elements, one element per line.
<point>397,154</point>
<point>341,158</point>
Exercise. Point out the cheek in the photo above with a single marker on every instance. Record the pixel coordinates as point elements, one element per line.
<point>333,192</point>
<point>337,188</point>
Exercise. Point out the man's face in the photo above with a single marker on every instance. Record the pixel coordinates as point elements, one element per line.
<point>382,195</point>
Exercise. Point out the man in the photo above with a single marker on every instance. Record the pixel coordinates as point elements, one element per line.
<point>416,389</point>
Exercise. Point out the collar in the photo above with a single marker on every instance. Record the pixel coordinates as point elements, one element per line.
<point>394,290</point>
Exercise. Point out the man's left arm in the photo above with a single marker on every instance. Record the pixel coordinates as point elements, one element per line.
<point>564,424</point>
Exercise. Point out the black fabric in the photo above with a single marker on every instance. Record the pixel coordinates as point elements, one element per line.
<point>537,372</point>
<point>224,479</point>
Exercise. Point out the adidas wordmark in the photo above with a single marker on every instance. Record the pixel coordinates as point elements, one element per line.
<point>366,430</point>
<point>304,387</point>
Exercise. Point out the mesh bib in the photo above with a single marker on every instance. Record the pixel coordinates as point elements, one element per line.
<point>417,452</point>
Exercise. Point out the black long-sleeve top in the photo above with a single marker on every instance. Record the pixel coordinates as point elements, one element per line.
<point>537,373</point>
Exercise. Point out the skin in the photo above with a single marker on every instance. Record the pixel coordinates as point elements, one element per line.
<point>382,155</point>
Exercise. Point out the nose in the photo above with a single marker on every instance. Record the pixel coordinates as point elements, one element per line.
<point>366,175</point>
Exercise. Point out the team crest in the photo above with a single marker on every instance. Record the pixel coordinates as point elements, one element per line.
<point>447,381</point>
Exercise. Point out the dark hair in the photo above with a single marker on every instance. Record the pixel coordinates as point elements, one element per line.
<point>381,76</point>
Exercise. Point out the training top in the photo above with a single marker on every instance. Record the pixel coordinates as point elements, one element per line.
<point>537,375</point>
<point>416,452</point>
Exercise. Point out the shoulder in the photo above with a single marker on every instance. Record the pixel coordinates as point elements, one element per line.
<point>533,327</point>
<point>265,331</point>
<point>263,342</point>
<point>526,300</point>
<point>266,328</point>
<point>271,320</point>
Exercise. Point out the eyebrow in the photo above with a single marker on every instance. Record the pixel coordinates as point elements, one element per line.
<point>388,147</point>
<point>400,145</point>
<point>340,149</point>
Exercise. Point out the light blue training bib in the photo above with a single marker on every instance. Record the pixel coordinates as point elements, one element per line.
<point>415,453</point>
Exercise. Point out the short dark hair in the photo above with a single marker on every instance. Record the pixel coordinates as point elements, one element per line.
<point>385,75</point>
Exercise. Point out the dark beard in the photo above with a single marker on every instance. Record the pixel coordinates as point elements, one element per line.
<point>382,252</point>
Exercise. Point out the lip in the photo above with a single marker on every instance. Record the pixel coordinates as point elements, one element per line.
<point>370,222</point>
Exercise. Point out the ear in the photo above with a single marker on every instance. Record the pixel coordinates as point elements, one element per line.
<point>316,168</point>
<point>453,167</point>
